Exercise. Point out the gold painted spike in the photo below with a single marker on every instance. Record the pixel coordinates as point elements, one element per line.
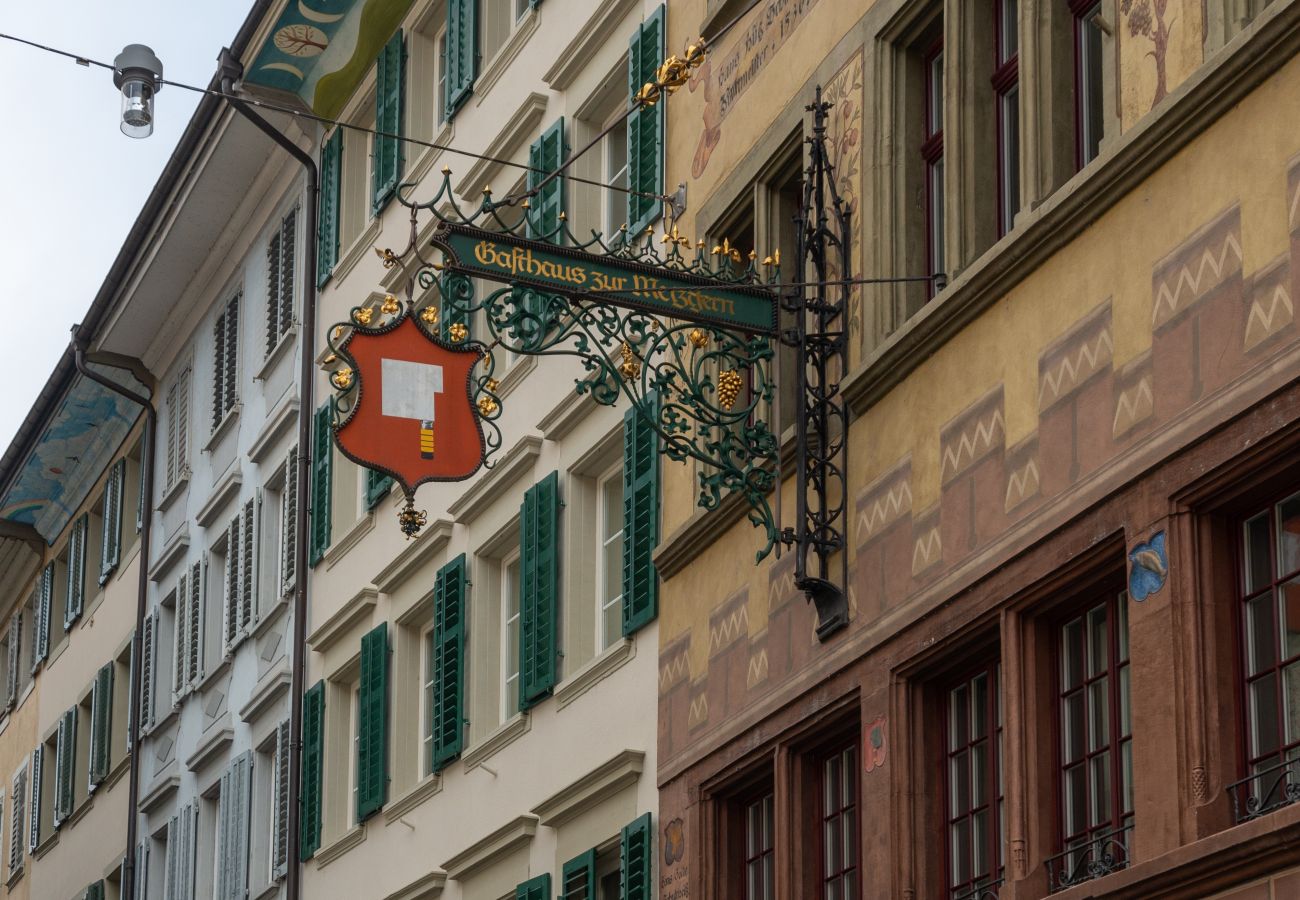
<point>329,360</point>
<point>776,256</point>
<point>487,191</point>
<point>390,305</point>
<point>338,332</point>
<point>768,261</point>
<point>630,367</point>
<point>387,255</point>
<point>563,217</point>
<point>492,385</point>
<point>446,170</point>
<point>457,332</point>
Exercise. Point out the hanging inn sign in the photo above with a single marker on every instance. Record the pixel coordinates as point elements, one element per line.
<point>685,335</point>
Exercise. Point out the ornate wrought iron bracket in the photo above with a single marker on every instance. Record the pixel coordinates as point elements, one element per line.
<point>819,337</point>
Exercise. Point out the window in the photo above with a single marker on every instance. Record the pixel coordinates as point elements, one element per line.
<point>932,156</point>
<point>187,667</point>
<point>1095,744</point>
<point>760,847</point>
<point>609,558</point>
<point>1006,87</point>
<point>618,869</point>
<point>331,184</point>
<point>75,569</point>
<point>322,456</point>
<point>973,784</point>
<point>288,506</point>
<point>233,827</point>
<point>390,96</point>
<point>839,824</point>
<point>445,667</point>
<point>1088,79</point>
<point>545,156</point>
<point>441,100</point>
<point>225,362</point>
<point>313,744</point>
<point>42,597</point>
<point>501,19</point>
<point>1269,546</point>
<point>429,679</point>
<point>241,573</point>
<point>510,588</point>
<point>178,431</point>
<point>149,670</point>
<point>43,790</point>
<point>281,253</point>
<point>102,703</point>
<point>280,804</point>
<point>11,647</point>
<point>372,723</point>
<point>111,544</point>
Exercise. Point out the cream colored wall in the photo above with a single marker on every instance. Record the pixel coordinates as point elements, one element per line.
<point>429,820</point>
<point>18,728</point>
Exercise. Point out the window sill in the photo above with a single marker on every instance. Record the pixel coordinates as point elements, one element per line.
<point>423,790</point>
<point>228,422</point>
<point>287,340</point>
<point>209,677</point>
<point>515,728</point>
<point>356,251</point>
<point>265,893</point>
<point>501,61</point>
<point>271,615</point>
<point>158,725</point>
<point>178,487</point>
<point>597,670</point>
<point>171,552</point>
<point>48,843</point>
<point>345,842</point>
<point>339,549</point>
<point>15,877</point>
<point>79,812</point>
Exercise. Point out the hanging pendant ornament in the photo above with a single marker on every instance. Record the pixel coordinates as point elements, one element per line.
<point>404,404</point>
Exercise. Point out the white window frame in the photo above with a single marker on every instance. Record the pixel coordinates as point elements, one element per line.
<point>510,666</point>
<point>426,699</point>
<point>604,538</point>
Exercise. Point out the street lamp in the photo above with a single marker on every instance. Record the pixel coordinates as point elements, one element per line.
<point>138,73</point>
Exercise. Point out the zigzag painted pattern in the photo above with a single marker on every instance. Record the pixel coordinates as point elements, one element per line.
<point>757,669</point>
<point>698,712</point>
<point>928,549</point>
<point>780,588</point>
<point>1074,368</point>
<point>1021,484</point>
<point>1133,405</point>
<point>1279,314</point>
<point>728,628</point>
<point>969,445</point>
<point>674,670</point>
<point>884,510</point>
<point>1186,284</point>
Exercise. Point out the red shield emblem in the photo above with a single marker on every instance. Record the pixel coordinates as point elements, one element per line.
<point>412,414</point>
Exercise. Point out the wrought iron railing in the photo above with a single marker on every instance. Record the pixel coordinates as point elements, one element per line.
<point>1266,790</point>
<point>1092,858</point>
<point>986,891</point>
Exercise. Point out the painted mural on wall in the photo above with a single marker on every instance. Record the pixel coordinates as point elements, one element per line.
<point>1160,44</point>
<point>734,64</point>
<point>1148,567</point>
<point>844,92</point>
<point>320,50</point>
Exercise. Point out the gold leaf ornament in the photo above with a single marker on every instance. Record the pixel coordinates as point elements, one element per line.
<point>698,338</point>
<point>457,332</point>
<point>363,314</point>
<point>390,305</point>
<point>630,367</point>
<point>429,315</point>
<point>342,379</point>
<point>729,384</point>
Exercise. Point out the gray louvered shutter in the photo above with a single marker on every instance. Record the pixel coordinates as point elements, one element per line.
<point>14,640</point>
<point>248,565</point>
<point>230,611</point>
<point>142,870</point>
<point>65,752</point>
<point>194,630</point>
<point>181,621</point>
<point>147,670</point>
<point>41,616</point>
<point>172,859</point>
<point>223,838</point>
<point>185,883</point>
<point>101,719</point>
<point>289,523</point>
<point>112,538</point>
<point>280,797</point>
<point>38,764</point>
<point>17,821</point>
<point>241,785</point>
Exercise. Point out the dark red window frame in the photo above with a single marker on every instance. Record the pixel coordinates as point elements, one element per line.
<point>1006,80</point>
<point>932,155</point>
<point>1266,589</point>
<point>836,815</point>
<point>763,851</point>
<point>958,747</point>
<point>1081,10</point>
<point>1110,835</point>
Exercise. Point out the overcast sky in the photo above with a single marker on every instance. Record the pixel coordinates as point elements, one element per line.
<point>71,184</point>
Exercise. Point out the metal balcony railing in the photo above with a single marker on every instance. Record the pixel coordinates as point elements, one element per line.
<point>1266,790</point>
<point>1090,858</point>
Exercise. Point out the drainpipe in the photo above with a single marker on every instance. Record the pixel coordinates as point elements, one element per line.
<point>232,71</point>
<point>79,342</point>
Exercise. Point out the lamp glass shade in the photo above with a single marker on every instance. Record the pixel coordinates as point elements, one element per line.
<point>137,108</point>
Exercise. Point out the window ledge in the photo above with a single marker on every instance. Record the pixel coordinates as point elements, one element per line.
<point>423,790</point>
<point>270,689</point>
<point>287,340</point>
<point>342,622</point>
<point>501,61</point>
<point>594,672</point>
<point>15,877</point>
<point>270,616</point>
<point>429,155</point>
<point>79,812</point>
<point>339,549</point>
<point>228,422</point>
<point>208,678</point>
<point>226,488</point>
<point>410,560</point>
<point>266,892</point>
<point>173,714</point>
<point>516,727</point>
<point>218,737</point>
<point>515,375</point>
<point>356,251</point>
<point>426,887</point>
<point>488,850</point>
<point>488,488</point>
<point>178,487</point>
<point>162,790</point>
<point>589,38</point>
<point>171,552</point>
<point>277,422</point>
<point>345,842</point>
<point>48,843</point>
<point>591,789</point>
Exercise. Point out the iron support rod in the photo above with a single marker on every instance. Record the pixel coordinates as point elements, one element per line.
<point>79,342</point>
<point>307,340</point>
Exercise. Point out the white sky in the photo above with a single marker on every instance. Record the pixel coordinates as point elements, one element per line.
<point>71,184</point>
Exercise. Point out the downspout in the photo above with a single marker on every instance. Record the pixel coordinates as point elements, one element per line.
<point>79,342</point>
<point>231,71</point>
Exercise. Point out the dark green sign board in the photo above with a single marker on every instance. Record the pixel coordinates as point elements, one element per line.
<point>621,282</point>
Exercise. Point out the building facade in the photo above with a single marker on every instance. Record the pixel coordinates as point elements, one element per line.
<point>1071,502</point>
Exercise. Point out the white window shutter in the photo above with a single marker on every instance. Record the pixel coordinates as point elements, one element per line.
<point>142,870</point>
<point>248,567</point>
<point>38,763</point>
<point>171,860</point>
<point>173,421</point>
<point>18,819</point>
<point>147,670</point>
<point>60,753</point>
<point>241,786</point>
<point>231,606</point>
<point>194,631</point>
<point>223,839</point>
<point>181,622</point>
<point>185,887</point>
<point>181,444</point>
<point>288,523</point>
<point>280,797</point>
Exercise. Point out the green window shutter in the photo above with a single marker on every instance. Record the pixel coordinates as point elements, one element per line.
<point>539,590</point>
<point>101,721</point>
<point>461,288</point>
<point>377,487</point>
<point>546,154</point>
<point>645,127</point>
<point>578,878</point>
<point>448,662</point>
<point>640,521</point>
<point>390,98</point>
<point>462,52</point>
<point>95,891</point>
<point>112,543</point>
<point>313,758</point>
<point>372,724</point>
<point>538,888</point>
<point>637,863</point>
<point>322,455</point>
<point>76,572</point>
<point>65,754</point>
<point>327,234</point>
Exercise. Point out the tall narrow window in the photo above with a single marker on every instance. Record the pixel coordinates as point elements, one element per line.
<point>510,587</point>
<point>1087,79</point>
<point>178,430</point>
<point>760,847</point>
<point>610,558</point>
<point>280,256</point>
<point>441,100</point>
<point>1270,626</point>
<point>932,154</point>
<point>1094,724</point>
<point>973,785</point>
<point>839,824</point>
<point>225,365</point>
<point>1006,87</point>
